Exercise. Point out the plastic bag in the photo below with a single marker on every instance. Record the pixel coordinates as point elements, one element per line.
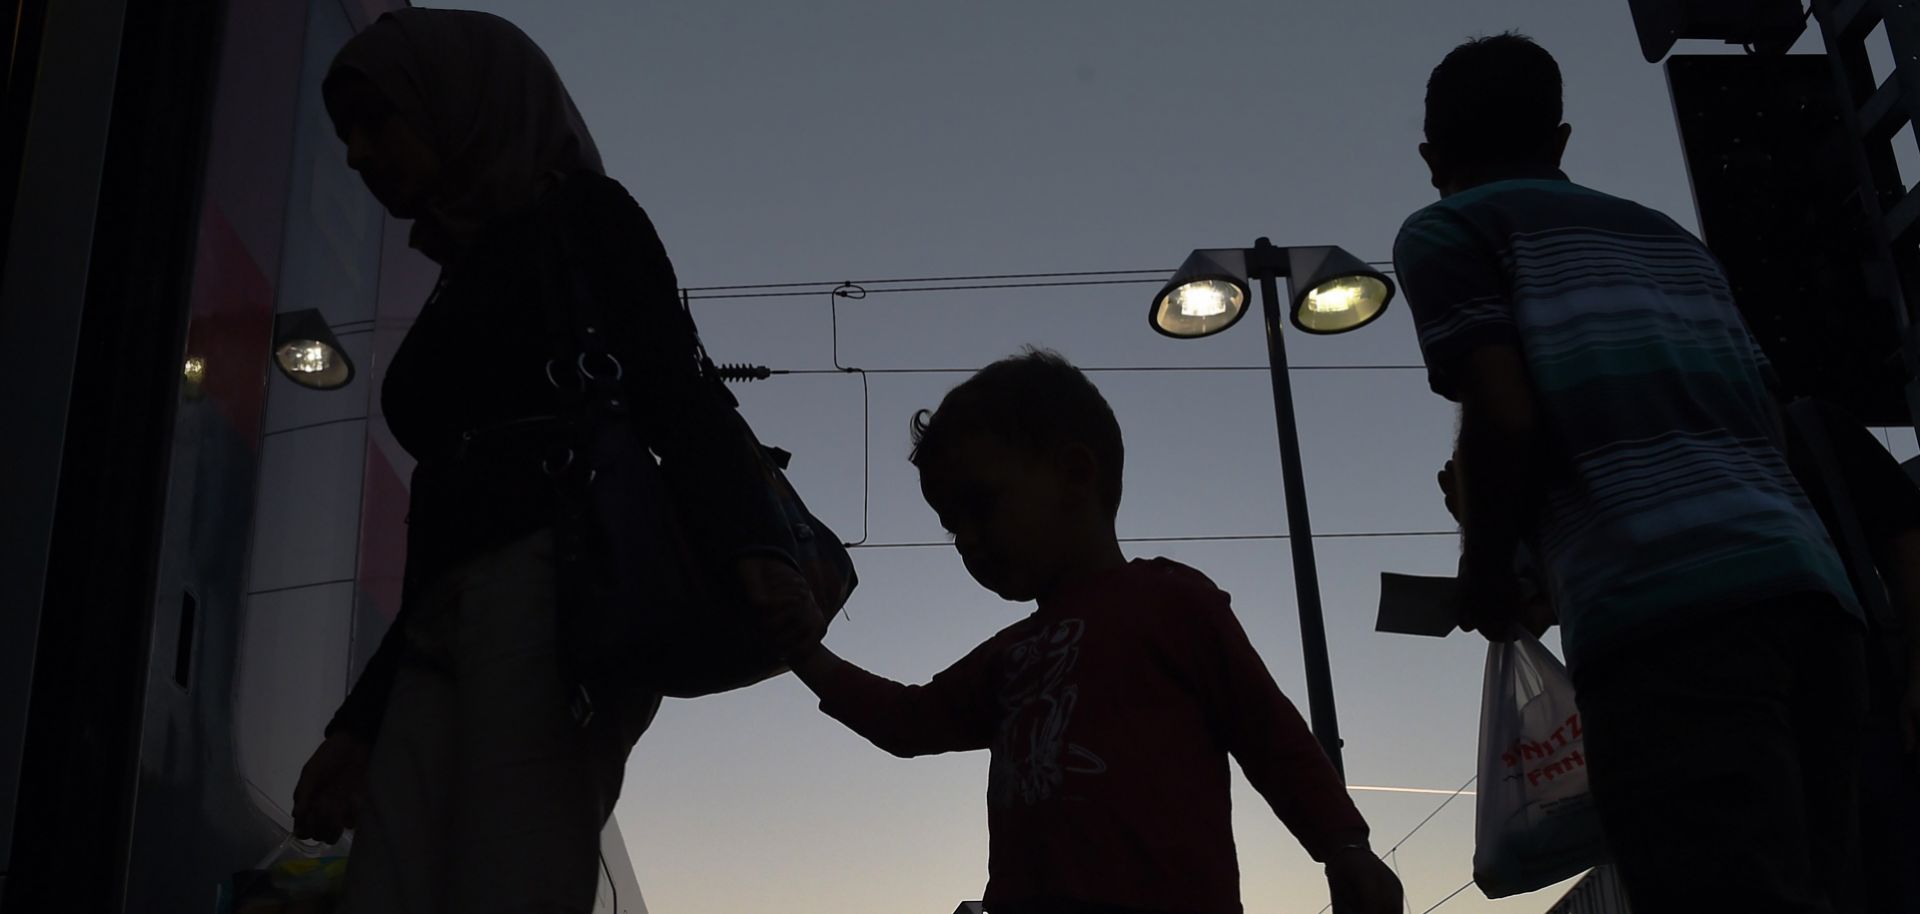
<point>1535,824</point>
<point>297,877</point>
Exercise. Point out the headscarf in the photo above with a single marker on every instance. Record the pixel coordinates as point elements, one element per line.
<point>490,103</point>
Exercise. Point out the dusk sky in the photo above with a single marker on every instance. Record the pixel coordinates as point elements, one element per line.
<point>830,140</point>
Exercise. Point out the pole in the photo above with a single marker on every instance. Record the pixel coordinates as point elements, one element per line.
<point>1853,79</point>
<point>1265,263</point>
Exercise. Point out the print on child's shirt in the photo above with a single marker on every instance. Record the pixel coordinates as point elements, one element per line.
<point>1031,755</point>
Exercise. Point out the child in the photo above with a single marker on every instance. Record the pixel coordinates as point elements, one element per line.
<point>1110,711</point>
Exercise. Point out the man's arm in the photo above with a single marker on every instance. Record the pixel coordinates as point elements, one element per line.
<point>1901,569</point>
<point>1537,613</point>
<point>1498,428</point>
<point>951,713</point>
<point>1886,505</point>
<point>1457,287</point>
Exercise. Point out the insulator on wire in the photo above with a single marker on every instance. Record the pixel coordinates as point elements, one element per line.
<point>744,373</point>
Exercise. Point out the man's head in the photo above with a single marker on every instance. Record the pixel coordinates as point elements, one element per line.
<point>1493,111</point>
<point>1022,463</point>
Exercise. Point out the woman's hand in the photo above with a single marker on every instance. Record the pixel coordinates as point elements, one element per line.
<point>786,619</point>
<point>331,788</point>
<point>1362,883</point>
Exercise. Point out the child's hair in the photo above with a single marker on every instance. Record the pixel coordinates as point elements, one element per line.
<point>1033,400</point>
<point>1493,100</point>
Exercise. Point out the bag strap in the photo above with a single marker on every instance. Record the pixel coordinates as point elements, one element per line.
<point>577,329</point>
<point>707,368</point>
<point>583,363</point>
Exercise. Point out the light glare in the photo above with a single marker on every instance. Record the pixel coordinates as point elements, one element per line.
<point>306,357</point>
<point>1199,308</point>
<point>1335,298</point>
<point>1200,300</point>
<point>1342,304</point>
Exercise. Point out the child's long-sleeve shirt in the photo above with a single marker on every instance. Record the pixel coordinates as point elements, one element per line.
<point>1110,714</point>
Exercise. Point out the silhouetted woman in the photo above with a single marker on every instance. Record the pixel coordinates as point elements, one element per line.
<point>459,759</point>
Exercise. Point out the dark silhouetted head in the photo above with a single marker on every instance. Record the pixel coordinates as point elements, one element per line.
<point>399,165</point>
<point>1493,111</point>
<point>1022,462</point>
<point>455,119</point>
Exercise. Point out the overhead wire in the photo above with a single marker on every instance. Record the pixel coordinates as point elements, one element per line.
<point>866,463</point>
<point>1428,791</point>
<point>1394,851</point>
<point>954,287</point>
<point>1051,284</point>
<point>1098,369</point>
<point>856,290</point>
<point>1436,811</point>
<point>1450,896</point>
<point>922,279</point>
<point>1405,902</point>
<point>1409,902</point>
<point>1205,538</point>
<point>859,289</point>
<point>982,277</point>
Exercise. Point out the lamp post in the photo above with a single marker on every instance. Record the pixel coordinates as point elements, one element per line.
<point>1330,291</point>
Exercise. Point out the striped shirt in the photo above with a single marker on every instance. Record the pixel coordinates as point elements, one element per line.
<point>1665,490</point>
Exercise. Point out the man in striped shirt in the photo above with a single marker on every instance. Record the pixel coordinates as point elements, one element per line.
<point>1617,418</point>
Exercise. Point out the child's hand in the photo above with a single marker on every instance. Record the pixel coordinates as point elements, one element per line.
<point>1361,883</point>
